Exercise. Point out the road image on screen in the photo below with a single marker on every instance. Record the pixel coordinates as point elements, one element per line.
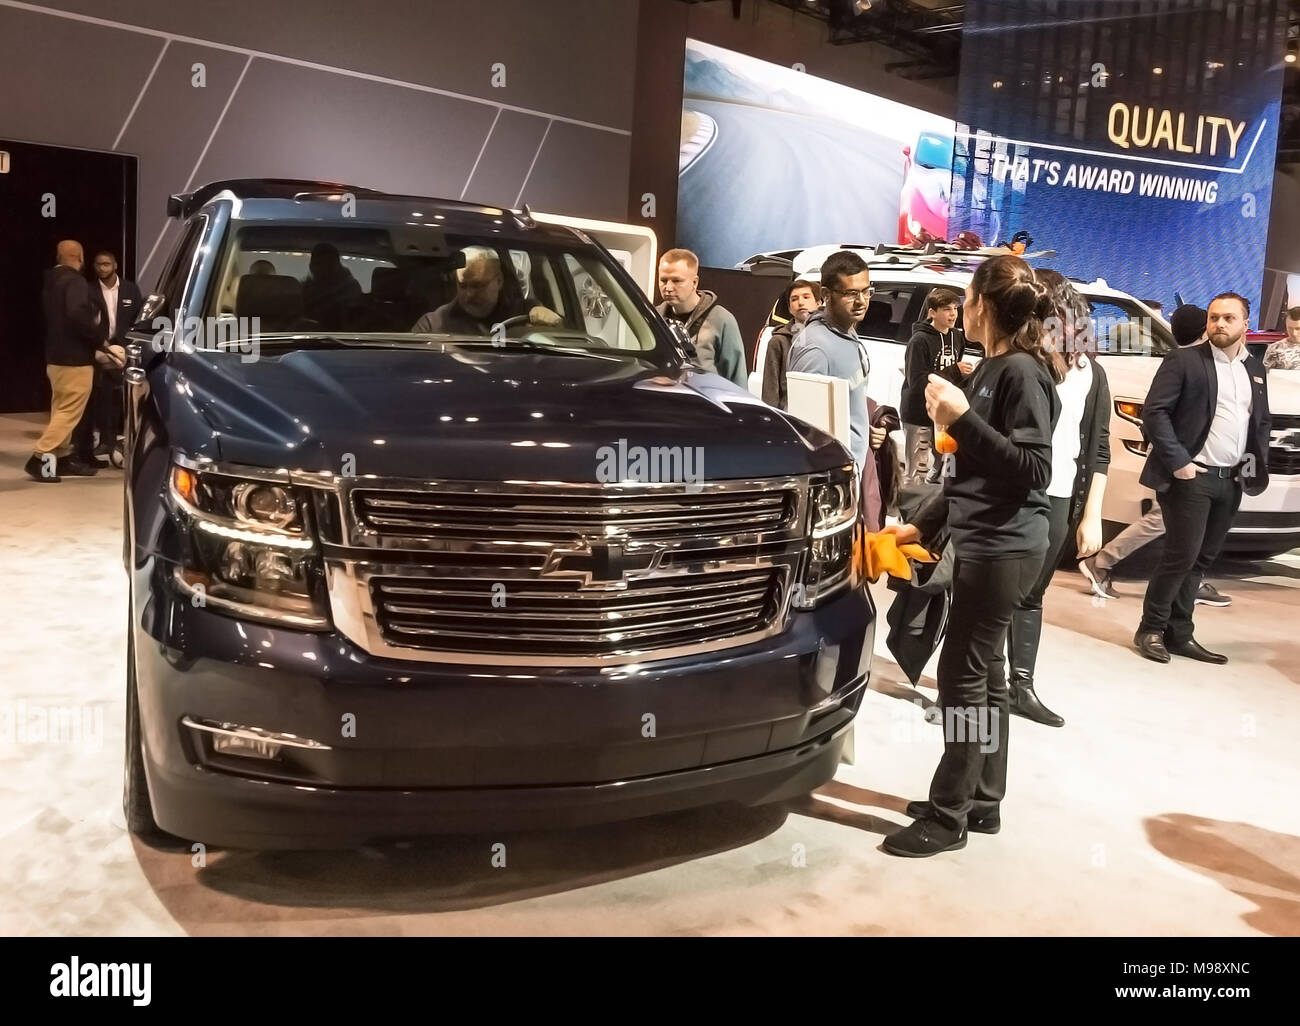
<point>773,158</point>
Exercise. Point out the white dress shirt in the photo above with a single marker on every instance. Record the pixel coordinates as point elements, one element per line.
<point>110,301</point>
<point>1226,443</point>
<point>1066,437</point>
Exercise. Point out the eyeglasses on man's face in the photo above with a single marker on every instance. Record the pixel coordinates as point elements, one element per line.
<point>853,295</point>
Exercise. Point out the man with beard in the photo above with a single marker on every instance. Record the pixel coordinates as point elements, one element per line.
<point>829,343</point>
<point>801,300</point>
<point>1207,417</point>
<point>118,302</point>
<point>484,298</point>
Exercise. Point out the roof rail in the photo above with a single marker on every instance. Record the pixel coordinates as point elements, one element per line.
<point>182,205</point>
<point>524,217</point>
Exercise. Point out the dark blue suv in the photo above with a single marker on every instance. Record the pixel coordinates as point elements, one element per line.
<point>432,526</point>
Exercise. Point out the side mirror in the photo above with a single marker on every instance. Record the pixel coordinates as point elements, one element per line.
<point>149,309</point>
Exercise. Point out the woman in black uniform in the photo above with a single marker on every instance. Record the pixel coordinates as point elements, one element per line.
<point>995,505</point>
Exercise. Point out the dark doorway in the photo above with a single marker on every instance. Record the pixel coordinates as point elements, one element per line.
<point>94,203</point>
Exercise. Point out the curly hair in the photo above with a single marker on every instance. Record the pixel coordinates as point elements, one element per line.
<point>1068,333</point>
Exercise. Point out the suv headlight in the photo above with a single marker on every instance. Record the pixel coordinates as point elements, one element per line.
<point>832,529</point>
<point>1130,410</point>
<point>249,549</point>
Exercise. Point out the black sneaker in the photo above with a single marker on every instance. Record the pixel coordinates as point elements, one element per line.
<point>74,467</point>
<point>40,469</point>
<point>990,823</point>
<point>922,839</point>
<point>1208,595</point>
<point>1098,579</point>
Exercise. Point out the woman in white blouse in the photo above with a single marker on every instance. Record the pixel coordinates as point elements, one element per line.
<point>1080,459</point>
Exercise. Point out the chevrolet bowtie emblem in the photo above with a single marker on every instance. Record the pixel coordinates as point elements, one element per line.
<point>1286,438</point>
<point>600,564</point>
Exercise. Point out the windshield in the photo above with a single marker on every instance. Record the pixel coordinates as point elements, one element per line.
<point>420,282</point>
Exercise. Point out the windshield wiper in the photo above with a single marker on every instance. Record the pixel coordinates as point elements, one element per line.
<point>317,342</point>
<point>544,347</point>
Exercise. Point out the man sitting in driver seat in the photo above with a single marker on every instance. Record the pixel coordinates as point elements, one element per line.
<point>483,299</point>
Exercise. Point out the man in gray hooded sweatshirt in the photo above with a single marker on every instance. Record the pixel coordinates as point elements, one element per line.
<point>829,341</point>
<point>711,327</point>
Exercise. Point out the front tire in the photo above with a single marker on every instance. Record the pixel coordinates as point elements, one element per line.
<point>136,805</point>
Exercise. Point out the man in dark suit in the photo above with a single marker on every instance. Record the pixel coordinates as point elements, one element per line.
<point>118,302</point>
<point>1207,418</point>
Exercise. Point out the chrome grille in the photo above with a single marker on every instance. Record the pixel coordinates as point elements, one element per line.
<point>561,618</point>
<point>530,516</point>
<point>1285,459</point>
<point>584,574</point>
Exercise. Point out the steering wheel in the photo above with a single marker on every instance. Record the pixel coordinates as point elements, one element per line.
<point>512,322</point>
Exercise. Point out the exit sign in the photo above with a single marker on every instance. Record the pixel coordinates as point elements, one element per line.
<point>4,163</point>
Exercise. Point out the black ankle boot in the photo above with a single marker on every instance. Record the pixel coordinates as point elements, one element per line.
<point>1027,704</point>
<point>1023,634</point>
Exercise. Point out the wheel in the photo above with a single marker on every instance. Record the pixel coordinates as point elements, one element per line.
<point>135,791</point>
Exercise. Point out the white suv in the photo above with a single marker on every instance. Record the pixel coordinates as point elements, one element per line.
<point>1131,340</point>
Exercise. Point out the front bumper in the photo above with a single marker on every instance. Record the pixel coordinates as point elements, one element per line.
<point>1268,521</point>
<point>410,749</point>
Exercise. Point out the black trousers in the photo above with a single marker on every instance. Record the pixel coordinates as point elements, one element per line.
<point>1197,516</point>
<point>103,413</point>
<point>972,775</point>
<point>1058,530</point>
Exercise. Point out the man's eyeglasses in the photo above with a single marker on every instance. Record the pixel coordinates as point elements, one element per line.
<point>853,295</point>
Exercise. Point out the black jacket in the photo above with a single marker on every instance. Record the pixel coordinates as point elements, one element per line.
<point>776,363</point>
<point>1094,440</point>
<point>996,491</point>
<point>71,334</point>
<point>1180,407</point>
<point>129,302</point>
<point>928,353</point>
<point>919,613</point>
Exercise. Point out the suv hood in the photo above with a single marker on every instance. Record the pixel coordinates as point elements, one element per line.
<point>471,413</point>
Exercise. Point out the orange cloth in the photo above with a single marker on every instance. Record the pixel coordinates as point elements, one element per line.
<point>880,553</point>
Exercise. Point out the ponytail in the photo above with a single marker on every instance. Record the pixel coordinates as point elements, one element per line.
<point>1019,303</point>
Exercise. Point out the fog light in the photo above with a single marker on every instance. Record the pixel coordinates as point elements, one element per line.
<point>247,747</point>
<point>250,742</point>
